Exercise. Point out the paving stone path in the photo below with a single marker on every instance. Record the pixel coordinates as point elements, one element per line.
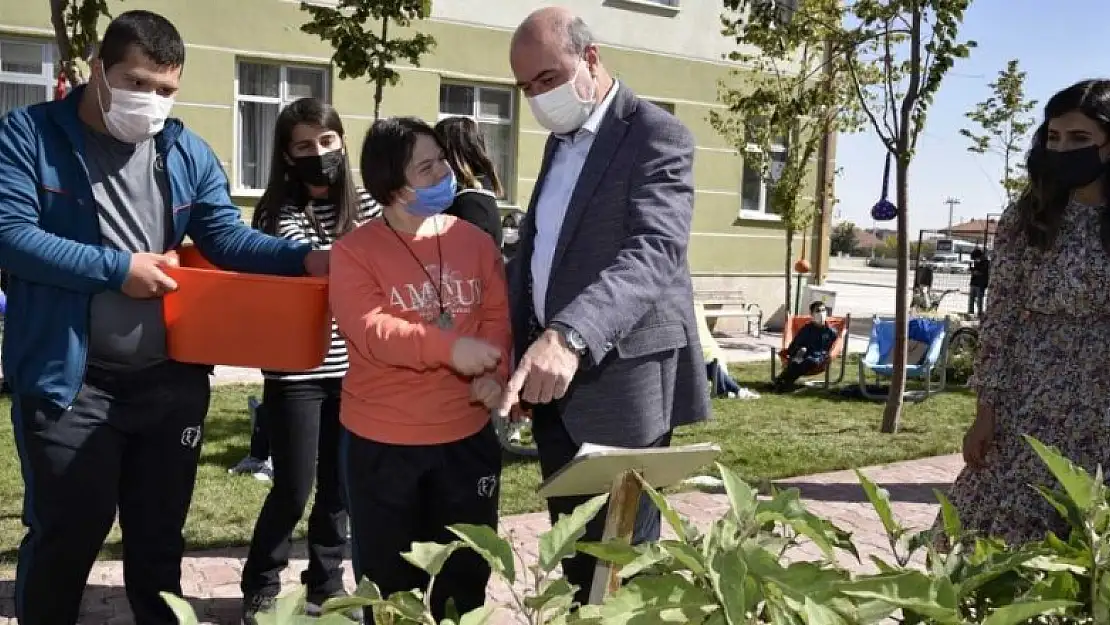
<point>211,579</point>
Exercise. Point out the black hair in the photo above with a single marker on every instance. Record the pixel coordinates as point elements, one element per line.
<point>815,305</point>
<point>512,220</point>
<point>467,154</point>
<point>153,35</point>
<point>976,253</point>
<point>386,153</point>
<point>285,186</point>
<point>1041,206</point>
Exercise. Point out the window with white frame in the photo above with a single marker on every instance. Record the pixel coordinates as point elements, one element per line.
<point>262,90</point>
<point>26,72</point>
<point>785,9</point>
<point>755,189</point>
<point>493,108</point>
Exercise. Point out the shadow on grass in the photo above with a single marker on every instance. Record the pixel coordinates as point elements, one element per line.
<point>512,460</point>
<point>226,441</point>
<point>849,392</point>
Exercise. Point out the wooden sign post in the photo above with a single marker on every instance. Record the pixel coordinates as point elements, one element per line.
<point>597,469</point>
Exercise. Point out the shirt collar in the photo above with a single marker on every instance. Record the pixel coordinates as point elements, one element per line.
<point>594,121</point>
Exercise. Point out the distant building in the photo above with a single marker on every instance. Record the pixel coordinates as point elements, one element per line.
<point>248,58</point>
<point>980,231</point>
<point>867,241</point>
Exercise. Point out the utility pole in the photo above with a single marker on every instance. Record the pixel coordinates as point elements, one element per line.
<point>952,204</point>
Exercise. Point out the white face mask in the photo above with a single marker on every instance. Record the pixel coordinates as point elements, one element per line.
<point>561,110</point>
<point>819,318</point>
<point>510,235</point>
<point>134,116</point>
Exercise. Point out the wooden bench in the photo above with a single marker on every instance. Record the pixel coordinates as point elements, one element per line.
<point>732,304</point>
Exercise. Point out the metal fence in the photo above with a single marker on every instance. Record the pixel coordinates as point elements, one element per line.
<point>942,276</point>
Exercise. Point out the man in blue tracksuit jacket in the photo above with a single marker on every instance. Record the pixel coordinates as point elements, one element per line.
<point>96,191</point>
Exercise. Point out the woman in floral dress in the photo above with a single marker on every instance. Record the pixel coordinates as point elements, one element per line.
<point>1043,367</point>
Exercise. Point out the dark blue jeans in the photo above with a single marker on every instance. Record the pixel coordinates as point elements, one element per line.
<point>722,382</point>
<point>302,420</point>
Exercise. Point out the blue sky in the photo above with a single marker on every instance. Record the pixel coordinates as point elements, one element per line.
<point>1057,43</point>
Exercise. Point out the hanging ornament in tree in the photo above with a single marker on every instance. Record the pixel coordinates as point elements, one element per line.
<point>884,209</point>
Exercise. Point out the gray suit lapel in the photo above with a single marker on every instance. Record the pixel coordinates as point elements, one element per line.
<point>609,137</point>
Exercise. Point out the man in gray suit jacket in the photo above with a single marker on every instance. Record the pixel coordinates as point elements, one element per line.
<point>601,296</point>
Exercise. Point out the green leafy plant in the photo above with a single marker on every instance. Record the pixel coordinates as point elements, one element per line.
<point>843,239</point>
<point>363,35</point>
<point>76,32</point>
<point>747,568</point>
<point>782,108</point>
<point>980,579</point>
<point>1004,122</point>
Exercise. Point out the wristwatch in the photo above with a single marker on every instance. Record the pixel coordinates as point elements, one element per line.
<point>571,337</point>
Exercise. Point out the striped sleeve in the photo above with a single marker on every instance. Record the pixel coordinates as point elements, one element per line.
<point>291,224</point>
<point>367,208</point>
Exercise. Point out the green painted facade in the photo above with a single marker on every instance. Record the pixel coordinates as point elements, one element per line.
<point>221,32</point>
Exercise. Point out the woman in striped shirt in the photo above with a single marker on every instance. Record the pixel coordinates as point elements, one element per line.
<point>310,197</point>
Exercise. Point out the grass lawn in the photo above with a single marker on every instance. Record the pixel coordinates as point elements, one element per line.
<point>765,439</point>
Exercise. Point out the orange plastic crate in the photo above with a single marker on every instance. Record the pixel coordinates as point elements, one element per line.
<point>220,317</point>
<point>191,257</point>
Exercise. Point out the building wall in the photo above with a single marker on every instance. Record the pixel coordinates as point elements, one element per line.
<point>688,31</point>
<point>666,56</point>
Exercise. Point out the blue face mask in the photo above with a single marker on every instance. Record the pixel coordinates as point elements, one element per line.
<point>433,200</point>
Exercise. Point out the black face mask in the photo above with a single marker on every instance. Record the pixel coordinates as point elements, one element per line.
<point>321,170</point>
<point>1076,168</point>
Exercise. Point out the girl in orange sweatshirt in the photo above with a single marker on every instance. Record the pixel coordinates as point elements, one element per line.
<point>421,299</point>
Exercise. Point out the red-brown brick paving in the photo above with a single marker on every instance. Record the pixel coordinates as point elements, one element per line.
<point>211,579</point>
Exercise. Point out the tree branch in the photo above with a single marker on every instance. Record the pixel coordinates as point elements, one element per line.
<point>888,142</point>
<point>888,71</point>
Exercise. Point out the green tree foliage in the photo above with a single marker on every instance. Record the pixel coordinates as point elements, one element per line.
<point>363,35</point>
<point>1003,123</point>
<point>76,31</point>
<point>915,43</point>
<point>843,239</point>
<point>793,90</point>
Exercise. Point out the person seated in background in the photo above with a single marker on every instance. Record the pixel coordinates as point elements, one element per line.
<point>510,241</point>
<point>809,351</point>
<point>722,384</point>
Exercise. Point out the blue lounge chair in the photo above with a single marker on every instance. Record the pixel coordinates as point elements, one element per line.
<point>879,357</point>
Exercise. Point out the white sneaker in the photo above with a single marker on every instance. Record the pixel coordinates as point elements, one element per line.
<point>747,393</point>
<point>261,470</point>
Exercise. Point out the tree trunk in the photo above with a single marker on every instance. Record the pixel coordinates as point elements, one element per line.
<point>61,38</point>
<point>892,416</point>
<point>1006,180</point>
<point>379,81</point>
<point>788,273</point>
